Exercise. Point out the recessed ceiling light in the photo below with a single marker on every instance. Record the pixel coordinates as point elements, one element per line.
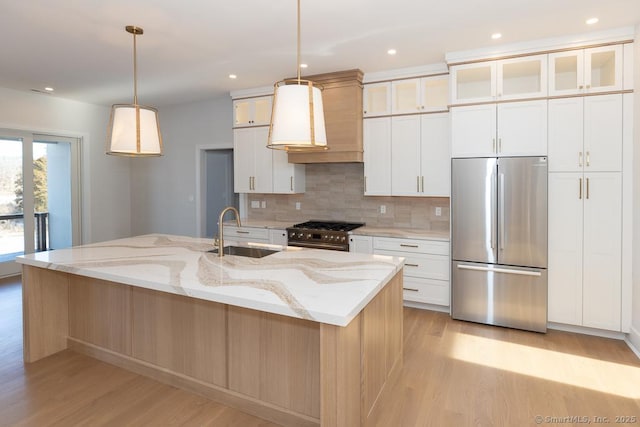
<point>303,65</point>
<point>391,52</point>
<point>233,76</point>
<point>48,89</point>
<point>592,21</point>
<point>496,36</point>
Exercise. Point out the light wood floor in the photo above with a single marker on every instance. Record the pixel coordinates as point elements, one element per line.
<point>455,374</point>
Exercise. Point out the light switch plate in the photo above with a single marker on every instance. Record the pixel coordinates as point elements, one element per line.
<point>298,204</point>
<point>263,204</point>
<point>255,204</point>
<point>438,211</point>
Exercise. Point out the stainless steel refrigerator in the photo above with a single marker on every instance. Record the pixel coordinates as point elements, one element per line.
<point>499,241</point>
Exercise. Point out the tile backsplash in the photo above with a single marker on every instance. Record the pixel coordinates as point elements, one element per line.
<point>335,191</point>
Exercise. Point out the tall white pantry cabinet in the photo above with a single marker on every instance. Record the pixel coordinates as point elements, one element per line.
<point>587,133</point>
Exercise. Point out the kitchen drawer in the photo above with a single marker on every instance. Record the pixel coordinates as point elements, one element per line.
<point>426,291</point>
<point>411,245</point>
<point>246,234</point>
<point>422,265</point>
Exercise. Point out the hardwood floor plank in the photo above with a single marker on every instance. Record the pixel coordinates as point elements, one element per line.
<point>454,374</point>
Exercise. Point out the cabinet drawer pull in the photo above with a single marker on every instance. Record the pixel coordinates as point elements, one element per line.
<point>242,232</point>
<point>588,159</point>
<point>410,289</point>
<point>580,159</point>
<point>404,245</point>
<point>411,265</point>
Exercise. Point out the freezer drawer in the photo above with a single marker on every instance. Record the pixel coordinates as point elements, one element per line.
<point>499,295</point>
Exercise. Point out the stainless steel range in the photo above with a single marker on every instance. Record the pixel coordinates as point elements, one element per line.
<point>333,235</point>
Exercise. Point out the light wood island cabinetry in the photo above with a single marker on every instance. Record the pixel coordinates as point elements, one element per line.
<point>289,370</point>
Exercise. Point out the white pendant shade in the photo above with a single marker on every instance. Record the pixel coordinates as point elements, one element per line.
<point>131,137</point>
<point>297,123</point>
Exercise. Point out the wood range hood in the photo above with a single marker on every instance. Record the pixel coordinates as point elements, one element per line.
<point>342,99</point>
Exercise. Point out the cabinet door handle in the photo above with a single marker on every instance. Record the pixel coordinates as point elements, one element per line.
<point>422,182</point>
<point>500,144</point>
<point>580,189</point>
<point>404,245</point>
<point>410,289</point>
<point>587,188</point>
<point>365,184</point>
<point>588,159</point>
<point>580,159</point>
<point>588,86</point>
<point>580,87</point>
<point>494,145</point>
<point>291,182</point>
<point>411,265</point>
<point>418,184</point>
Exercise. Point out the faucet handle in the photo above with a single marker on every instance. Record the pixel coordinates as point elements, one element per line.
<point>216,241</point>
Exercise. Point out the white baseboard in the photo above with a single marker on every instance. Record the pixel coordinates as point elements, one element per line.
<point>633,341</point>
<point>424,306</point>
<point>586,331</point>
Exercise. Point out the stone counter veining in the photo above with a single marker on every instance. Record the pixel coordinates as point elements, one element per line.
<point>324,286</point>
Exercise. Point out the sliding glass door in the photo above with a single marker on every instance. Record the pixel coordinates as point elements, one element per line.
<point>39,195</point>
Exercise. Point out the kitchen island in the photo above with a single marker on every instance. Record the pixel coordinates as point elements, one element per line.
<point>300,337</point>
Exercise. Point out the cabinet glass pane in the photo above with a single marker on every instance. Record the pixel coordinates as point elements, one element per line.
<point>405,94</point>
<point>242,112</point>
<point>521,77</point>
<point>603,69</point>
<point>436,93</point>
<point>566,72</point>
<point>263,110</point>
<point>376,100</point>
<point>473,83</point>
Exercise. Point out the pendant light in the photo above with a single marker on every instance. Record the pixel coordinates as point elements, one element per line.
<point>297,116</point>
<point>134,129</point>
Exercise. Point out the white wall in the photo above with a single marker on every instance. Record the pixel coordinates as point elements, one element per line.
<point>163,189</point>
<point>105,186</point>
<point>635,316</point>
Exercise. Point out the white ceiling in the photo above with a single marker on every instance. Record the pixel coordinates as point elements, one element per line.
<point>189,48</point>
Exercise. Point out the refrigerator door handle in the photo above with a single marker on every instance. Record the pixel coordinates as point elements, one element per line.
<point>501,213</point>
<point>493,210</point>
<point>499,270</point>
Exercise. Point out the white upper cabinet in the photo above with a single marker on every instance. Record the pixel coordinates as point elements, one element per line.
<point>420,157</point>
<point>420,95</point>
<point>506,129</point>
<point>505,79</point>
<point>288,178</point>
<point>592,70</point>
<point>376,99</point>
<point>473,130</point>
<point>252,161</point>
<point>585,134</point>
<point>377,156</point>
<point>252,111</point>
<point>522,128</point>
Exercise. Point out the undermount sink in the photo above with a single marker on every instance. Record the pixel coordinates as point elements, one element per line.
<point>245,251</point>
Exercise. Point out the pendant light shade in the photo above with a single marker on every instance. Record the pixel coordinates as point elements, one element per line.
<point>134,129</point>
<point>297,117</point>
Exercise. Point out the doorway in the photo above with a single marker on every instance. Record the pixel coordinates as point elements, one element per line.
<point>38,174</point>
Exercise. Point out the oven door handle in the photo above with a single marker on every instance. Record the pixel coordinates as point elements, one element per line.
<point>329,246</point>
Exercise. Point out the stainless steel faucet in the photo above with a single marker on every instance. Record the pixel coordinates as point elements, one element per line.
<point>220,232</point>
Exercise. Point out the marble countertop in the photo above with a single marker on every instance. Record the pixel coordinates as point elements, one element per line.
<point>323,286</point>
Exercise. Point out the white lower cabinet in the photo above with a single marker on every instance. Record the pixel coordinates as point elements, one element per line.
<point>361,244</point>
<point>246,234</point>
<point>585,249</point>
<point>278,236</point>
<point>426,268</point>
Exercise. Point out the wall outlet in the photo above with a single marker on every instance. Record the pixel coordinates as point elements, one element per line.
<point>383,209</point>
<point>255,204</point>
<point>438,211</point>
<point>263,204</point>
<point>298,205</point>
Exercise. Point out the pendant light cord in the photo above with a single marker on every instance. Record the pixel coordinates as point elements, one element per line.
<point>135,72</point>
<point>298,42</point>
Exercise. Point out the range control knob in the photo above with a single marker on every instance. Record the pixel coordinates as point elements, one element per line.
<point>300,235</point>
<point>342,239</point>
<point>309,236</point>
<point>292,234</point>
